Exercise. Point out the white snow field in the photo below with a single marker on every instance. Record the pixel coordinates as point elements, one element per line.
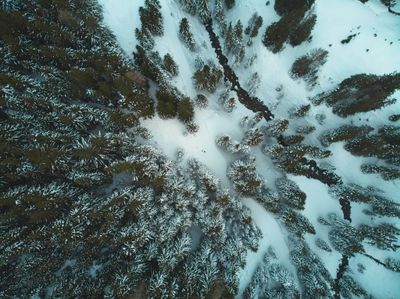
<point>376,31</point>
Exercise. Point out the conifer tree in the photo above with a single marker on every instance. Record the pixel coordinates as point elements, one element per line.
<point>244,177</point>
<point>151,17</point>
<point>186,35</point>
<point>207,78</point>
<point>170,65</point>
<point>185,110</point>
<point>166,104</point>
<point>361,93</point>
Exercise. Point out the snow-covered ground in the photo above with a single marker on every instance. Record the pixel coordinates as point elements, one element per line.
<point>376,31</point>
<point>122,17</point>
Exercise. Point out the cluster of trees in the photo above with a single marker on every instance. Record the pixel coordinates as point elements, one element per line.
<point>233,39</point>
<point>362,141</point>
<point>295,25</point>
<point>152,23</point>
<point>85,209</point>
<point>186,35</point>
<point>170,102</point>
<point>361,93</point>
<point>207,78</point>
<point>200,8</point>
<point>272,280</point>
<point>307,66</point>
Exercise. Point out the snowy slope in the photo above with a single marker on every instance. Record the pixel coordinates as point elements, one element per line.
<point>122,17</point>
<point>376,31</point>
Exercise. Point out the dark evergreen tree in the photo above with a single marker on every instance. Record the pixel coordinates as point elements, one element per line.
<point>254,25</point>
<point>207,78</point>
<point>296,223</point>
<point>361,93</point>
<point>186,35</point>
<point>253,137</point>
<point>272,280</point>
<point>185,110</point>
<point>301,111</point>
<point>384,236</point>
<point>313,276</point>
<point>307,66</point>
<point>229,3</point>
<point>244,177</point>
<point>283,7</point>
<point>151,17</point>
<point>383,145</point>
<point>166,103</point>
<point>290,192</point>
<point>170,65</point>
<point>344,133</point>
<point>344,238</point>
<point>387,173</point>
<point>294,27</point>
<point>201,101</point>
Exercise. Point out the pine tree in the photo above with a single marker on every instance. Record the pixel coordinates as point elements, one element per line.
<point>207,78</point>
<point>151,17</point>
<point>313,276</point>
<point>203,10</point>
<point>384,236</point>
<point>307,66</point>
<point>383,145</point>
<point>201,101</point>
<point>254,25</point>
<point>343,237</point>
<point>144,38</point>
<point>387,173</point>
<point>344,133</point>
<point>166,104</point>
<point>230,3</point>
<point>253,137</point>
<point>253,83</point>
<point>185,110</point>
<point>272,279</point>
<point>361,93</point>
<point>283,7</point>
<point>290,192</point>
<point>244,177</point>
<point>322,244</point>
<point>186,35</point>
<point>294,27</point>
<point>170,65</point>
<point>220,16</point>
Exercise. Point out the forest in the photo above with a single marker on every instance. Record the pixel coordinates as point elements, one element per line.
<point>199,149</point>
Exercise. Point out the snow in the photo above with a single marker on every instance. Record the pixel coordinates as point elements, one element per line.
<point>319,204</point>
<point>122,17</point>
<point>336,20</point>
<point>378,281</point>
<point>170,135</point>
<point>273,236</point>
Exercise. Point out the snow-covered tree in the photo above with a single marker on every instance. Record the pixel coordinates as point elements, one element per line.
<point>201,101</point>
<point>186,35</point>
<point>151,17</point>
<point>244,177</point>
<point>170,65</point>
<point>361,93</point>
<point>384,236</point>
<point>290,193</point>
<point>253,83</point>
<point>207,78</point>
